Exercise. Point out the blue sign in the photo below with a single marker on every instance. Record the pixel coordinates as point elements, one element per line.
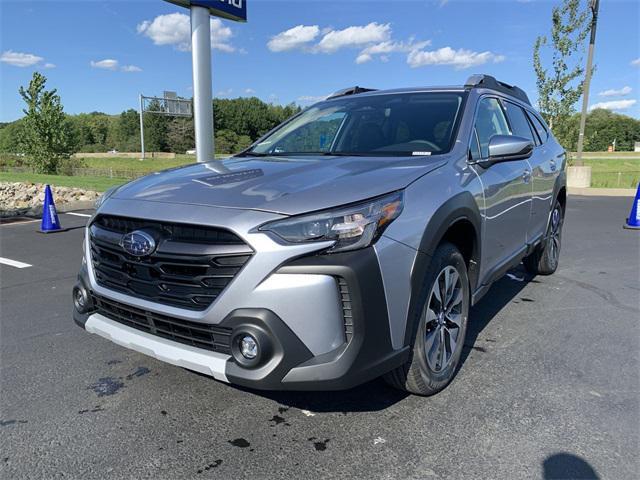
<point>229,9</point>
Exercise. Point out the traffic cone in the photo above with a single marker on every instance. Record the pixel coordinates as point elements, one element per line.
<point>633,222</point>
<point>50,221</point>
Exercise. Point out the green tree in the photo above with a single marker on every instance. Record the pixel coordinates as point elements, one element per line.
<point>10,134</point>
<point>180,135</point>
<point>560,88</point>
<point>155,130</point>
<point>45,137</point>
<point>127,131</point>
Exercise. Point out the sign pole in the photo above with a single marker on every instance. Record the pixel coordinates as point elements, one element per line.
<point>202,94</point>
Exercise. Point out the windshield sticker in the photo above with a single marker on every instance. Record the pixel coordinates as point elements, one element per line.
<point>420,154</point>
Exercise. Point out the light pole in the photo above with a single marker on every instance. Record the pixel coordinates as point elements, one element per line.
<point>594,5</point>
<point>202,95</point>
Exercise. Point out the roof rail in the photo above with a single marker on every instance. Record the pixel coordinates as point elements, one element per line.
<point>487,81</point>
<point>350,91</point>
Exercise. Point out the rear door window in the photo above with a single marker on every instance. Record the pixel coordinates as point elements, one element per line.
<point>519,124</point>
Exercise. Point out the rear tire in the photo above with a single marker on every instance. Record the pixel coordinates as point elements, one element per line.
<point>439,326</point>
<point>544,259</point>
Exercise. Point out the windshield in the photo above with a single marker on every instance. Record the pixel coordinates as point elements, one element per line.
<point>389,124</point>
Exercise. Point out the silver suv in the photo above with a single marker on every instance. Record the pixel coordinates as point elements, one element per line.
<point>346,244</point>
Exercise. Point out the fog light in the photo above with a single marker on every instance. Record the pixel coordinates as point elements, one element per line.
<point>249,347</point>
<point>80,299</point>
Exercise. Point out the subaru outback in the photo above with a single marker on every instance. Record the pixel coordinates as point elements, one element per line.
<point>346,244</point>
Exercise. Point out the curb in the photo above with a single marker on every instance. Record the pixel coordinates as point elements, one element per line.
<point>603,192</point>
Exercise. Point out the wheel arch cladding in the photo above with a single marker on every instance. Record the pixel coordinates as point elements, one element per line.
<point>457,221</point>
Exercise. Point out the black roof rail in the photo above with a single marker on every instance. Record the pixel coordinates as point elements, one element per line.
<point>350,91</point>
<point>487,81</point>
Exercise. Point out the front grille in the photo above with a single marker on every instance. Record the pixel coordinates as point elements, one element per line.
<point>347,316</point>
<point>190,267</point>
<point>208,337</point>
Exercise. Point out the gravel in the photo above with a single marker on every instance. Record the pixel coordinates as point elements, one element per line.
<point>17,198</point>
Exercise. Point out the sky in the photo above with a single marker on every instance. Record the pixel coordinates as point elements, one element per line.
<point>100,55</point>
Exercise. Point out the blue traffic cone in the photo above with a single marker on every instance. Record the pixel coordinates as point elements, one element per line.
<point>50,220</point>
<point>633,222</point>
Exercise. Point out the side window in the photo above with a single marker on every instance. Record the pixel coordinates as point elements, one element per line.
<point>540,128</point>
<point>490,121</point>
<point>518,120</point>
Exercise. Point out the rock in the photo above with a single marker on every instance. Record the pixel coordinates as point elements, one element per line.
<point>24,198</point>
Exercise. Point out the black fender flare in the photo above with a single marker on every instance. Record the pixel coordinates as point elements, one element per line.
<point>459,207</point>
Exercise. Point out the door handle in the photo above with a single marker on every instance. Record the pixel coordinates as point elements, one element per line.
<point>526,176</point>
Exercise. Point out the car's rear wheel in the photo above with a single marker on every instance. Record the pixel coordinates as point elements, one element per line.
<point>544,259</point>
<point>439,326</point>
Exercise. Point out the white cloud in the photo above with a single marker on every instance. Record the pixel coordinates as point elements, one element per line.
<point>459,59</point>
<point>106,64</point>
<point>131,68</point>
<point>249,91</point>
<point>614,105</point>
<point>354,36</point>
<point>174,29</point>
<point>18,59</point>
<point>296,37</point>
<point>384,48</point>
<point>311,98</point>
<point>621,92</point>
<point>49,65</point>
<point>224,93</point>
<point>636,62</point>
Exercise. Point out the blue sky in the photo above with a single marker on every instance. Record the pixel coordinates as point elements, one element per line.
<point>101,55</point>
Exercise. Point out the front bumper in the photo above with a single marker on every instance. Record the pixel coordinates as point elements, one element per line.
<point>363,351</point>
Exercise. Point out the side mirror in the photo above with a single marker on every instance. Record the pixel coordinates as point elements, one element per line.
<point>506,148</point>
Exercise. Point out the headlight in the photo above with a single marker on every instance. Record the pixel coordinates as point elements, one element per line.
<point>101,199</point>
<point>352,227</point>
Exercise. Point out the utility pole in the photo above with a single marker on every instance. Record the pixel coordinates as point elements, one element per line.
<point>593,5</point>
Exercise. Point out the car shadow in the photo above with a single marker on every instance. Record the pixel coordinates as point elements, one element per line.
<point>561,466</point>
<point>502,292</point>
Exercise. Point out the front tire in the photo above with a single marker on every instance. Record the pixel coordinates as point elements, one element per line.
<point>439,327</point>
<point>544,259</point>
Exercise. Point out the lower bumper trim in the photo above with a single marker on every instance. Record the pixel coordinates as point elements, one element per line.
<point>199,360</point>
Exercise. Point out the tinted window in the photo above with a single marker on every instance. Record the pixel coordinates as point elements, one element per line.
<point>540,128</point>
<point>518,120</point>
<point>390,124</point>
<point>490,121</point>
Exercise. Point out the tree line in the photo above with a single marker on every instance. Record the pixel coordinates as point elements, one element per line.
<point>48,136</point>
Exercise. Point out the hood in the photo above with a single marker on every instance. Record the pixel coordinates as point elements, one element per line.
<point>285,185</point>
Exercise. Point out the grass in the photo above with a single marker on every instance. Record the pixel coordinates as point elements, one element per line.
<point>614,173</point>
<point>140,166</point>
<point>98,184</point>
<point>606,172</point>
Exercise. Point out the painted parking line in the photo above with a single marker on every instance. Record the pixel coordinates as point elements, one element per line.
<point>13,263</point>
<point>78,214</point>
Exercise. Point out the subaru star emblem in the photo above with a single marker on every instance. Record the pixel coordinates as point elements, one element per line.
<point>138,243</point>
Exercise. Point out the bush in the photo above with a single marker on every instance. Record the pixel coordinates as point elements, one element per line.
<point>66,165</point>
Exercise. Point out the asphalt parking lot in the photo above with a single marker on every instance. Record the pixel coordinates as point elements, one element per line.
<point>549,387</point>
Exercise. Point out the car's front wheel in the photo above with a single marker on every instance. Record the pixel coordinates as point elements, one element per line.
<point>439,328</point>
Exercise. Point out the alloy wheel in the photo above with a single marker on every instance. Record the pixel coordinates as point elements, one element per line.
<point>443,320</point>
<point>553,239</point>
